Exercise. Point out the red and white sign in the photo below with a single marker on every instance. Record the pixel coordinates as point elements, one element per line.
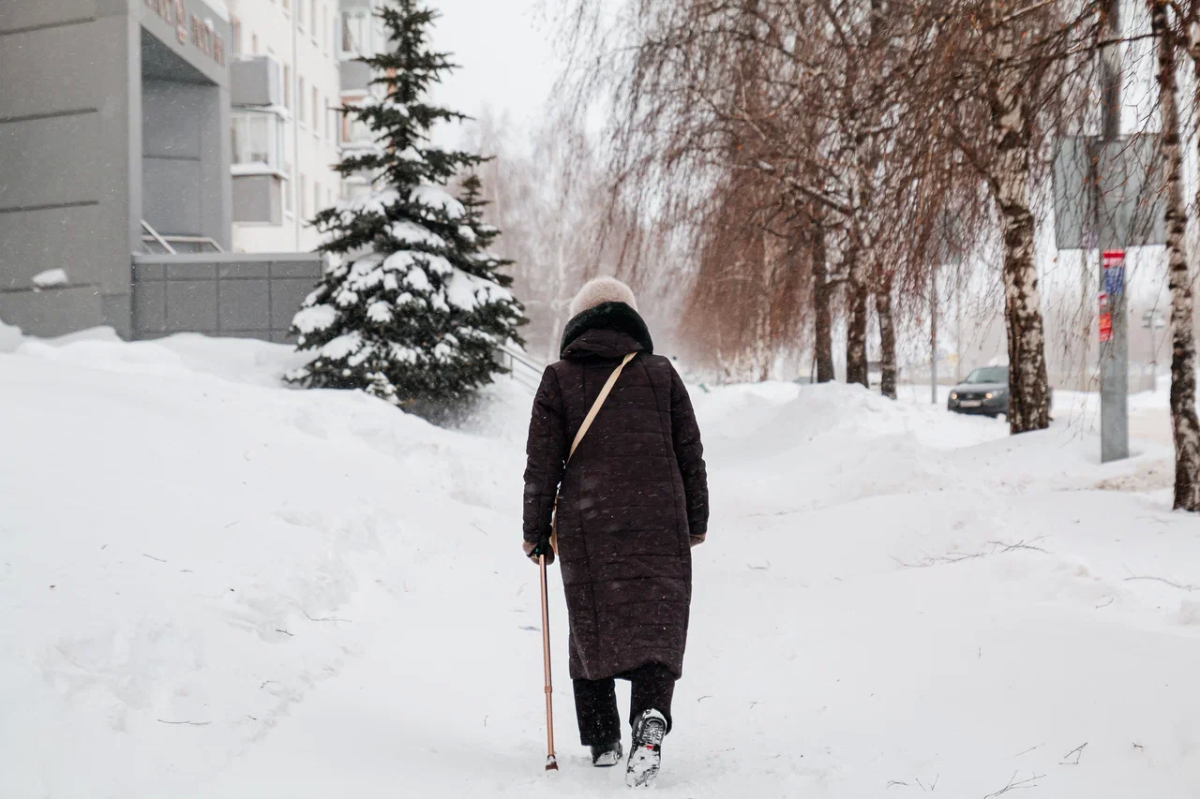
<point>1113,258</point>
<point>1106,326</point>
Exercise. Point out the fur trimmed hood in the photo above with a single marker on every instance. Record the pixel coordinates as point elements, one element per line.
<point>608,330</point>
<point>601,290</point>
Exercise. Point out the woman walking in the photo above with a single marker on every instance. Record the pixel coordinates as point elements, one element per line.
<point>631,502</point>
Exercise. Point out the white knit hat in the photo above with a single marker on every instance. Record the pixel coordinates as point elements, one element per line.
<point>601,290</point>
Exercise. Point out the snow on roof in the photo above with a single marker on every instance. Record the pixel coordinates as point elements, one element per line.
<point>254,168</point>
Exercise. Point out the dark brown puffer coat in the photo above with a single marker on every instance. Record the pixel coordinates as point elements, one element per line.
<point>631,496</point>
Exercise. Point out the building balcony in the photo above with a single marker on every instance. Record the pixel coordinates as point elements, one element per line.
<point>255,82</point>
<point>258,196</point>
<point>355,76</point>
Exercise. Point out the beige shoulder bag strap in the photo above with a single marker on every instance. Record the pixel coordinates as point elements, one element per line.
<point>583,428</point>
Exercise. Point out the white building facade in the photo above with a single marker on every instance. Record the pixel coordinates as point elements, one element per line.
<point>291,60</point>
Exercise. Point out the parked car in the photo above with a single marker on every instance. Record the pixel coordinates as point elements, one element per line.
<point>985,391</point>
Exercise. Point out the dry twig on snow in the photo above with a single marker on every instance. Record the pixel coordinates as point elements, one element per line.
<point>1172,583</point>
<point>1016,785</point>
<point>1003,547</point>
<point>1077,751</point>
<point>998,548</point>
<point>327,618</point>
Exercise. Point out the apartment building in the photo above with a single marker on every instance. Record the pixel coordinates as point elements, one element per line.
<point>286,137</point>
<point>165,182</point>
<point>361,34</point>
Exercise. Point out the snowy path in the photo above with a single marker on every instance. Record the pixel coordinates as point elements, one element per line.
<point>333,594</point>
<point>817,665</point>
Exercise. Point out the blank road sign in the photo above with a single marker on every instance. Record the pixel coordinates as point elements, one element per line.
<point>1132,202</point>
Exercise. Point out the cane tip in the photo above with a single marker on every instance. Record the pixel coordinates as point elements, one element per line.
<point>551,764</point>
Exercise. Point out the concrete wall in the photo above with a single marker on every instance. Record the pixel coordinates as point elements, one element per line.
<point>233,294</point>
<point>72,156</point>
<point>66,108</point>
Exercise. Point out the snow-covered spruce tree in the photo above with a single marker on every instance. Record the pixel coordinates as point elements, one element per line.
<point>412,306</point>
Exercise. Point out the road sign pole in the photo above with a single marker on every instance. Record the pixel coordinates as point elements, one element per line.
<point>1114,347</point>
<point>1114,358</point>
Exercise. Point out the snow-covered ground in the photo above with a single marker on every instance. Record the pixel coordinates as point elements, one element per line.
<point>212,586</point>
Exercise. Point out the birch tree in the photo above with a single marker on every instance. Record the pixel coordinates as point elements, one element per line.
<point>994,83</point>
<point>1184,423</point>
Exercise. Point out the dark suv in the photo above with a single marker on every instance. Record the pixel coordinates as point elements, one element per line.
<point>985,391</point>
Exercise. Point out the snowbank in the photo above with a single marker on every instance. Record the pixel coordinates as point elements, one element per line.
<point>213,586</point>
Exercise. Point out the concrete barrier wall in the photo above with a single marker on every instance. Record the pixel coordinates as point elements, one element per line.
<point>247,295</point>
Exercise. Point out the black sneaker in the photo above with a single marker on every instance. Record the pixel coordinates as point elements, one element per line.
<point>646,752</point>
<point>606,755</point>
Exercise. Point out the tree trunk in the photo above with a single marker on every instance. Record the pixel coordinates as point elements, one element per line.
<point>887,335</point>
<point>762,349</point>
<point>1184,424</point>
<point>822,319</point>
<point>1029,396</point>
<point>856,305</point>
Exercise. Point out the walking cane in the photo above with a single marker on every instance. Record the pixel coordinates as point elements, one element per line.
<point>551,761</point>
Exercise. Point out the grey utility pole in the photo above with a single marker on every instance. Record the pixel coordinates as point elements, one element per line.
<point>1114,323</point>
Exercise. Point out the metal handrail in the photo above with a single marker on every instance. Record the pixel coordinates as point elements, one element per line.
<point>521,358</point>
<point>197,239</point>
<point>164,241</point>
<point>530,373</point>
<point>158,238</point>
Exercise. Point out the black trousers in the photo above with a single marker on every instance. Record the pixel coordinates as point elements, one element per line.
<point>596,702</point>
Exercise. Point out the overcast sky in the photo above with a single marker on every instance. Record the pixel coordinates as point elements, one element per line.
<point>503,47</point>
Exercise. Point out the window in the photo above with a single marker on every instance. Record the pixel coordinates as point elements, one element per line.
<point>354,130</point>
<point>287,194</point>
<point>313,19</point>
<point>356,33</point>
<point>325,27</point>
<point>235,34</point>
<point>300,16</point>
<point>355,188</point>
<point>316,197</point>
<point>300,117</point>
<point>303,190</point>
<point>316,112</point>
<point>328,124</point>
<point>257,139</point>
<point>254,44</point>
<point>287,6</point>
<point>287,86</point>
